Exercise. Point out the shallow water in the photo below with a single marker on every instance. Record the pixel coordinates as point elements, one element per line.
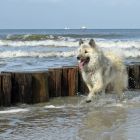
<point>68,118</point>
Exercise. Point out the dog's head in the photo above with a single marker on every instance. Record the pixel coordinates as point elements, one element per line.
<point>85,53</point>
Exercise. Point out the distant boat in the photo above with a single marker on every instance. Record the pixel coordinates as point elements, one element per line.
<point>66,28</point>
<point>83,27</point>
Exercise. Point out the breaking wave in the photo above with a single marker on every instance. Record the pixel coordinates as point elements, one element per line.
<point>124,44</point>
<point>127,48</point>
<point>72,42</point>
<point>55,43</point>
<point>10,111</point>
<point>14,54</point>
<point>95,35</point>
<point>19,53</point>
<point>31,37</point>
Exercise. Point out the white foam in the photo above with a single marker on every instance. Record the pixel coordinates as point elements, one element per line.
<point>70,42</point>
<point>115,105</point>
<point>14,54</point>
<point>38,43</point>
<point>10,111</point>
<point>52,106</point>
<point>119,44</point>
<point>135,100</point>
<point>127,49</point>
<point>20,53</point>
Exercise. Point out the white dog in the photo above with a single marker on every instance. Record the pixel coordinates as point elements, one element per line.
<point>100,70</point>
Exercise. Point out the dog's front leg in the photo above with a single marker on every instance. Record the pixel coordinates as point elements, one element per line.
<point>89,87</point>
<point>97,87</point>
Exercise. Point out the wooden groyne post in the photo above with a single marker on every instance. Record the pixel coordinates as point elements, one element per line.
<point>36,87</point>
<point>5,89</point>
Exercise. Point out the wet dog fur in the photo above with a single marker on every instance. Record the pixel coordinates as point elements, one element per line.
<point>100,70</point>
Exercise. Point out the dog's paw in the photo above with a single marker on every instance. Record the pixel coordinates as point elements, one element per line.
<point>88,101</point>
<point>90,97</point>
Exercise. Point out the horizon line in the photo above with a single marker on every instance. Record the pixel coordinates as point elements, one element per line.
<point>69,29</point>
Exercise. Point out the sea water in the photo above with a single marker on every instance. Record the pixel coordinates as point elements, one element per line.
<point>31,50</point>
<point>68,118</point>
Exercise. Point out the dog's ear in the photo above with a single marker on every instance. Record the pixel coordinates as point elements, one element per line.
<point>92,43</point>
<point>81,42</point>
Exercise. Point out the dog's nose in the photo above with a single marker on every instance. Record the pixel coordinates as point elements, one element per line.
<point>78,57</point>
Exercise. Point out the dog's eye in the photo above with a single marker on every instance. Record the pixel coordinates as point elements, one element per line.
<point>86,51</point>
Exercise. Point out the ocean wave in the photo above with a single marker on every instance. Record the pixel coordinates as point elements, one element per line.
<point>10,111</point>
<point>20,53</point>
<point>71,42</point>
<point>127,48</point>
<point>54,43</point>
<point>119,44</point>
<point>31,37</point>
<point>96,35</point>
<point>14,54</point>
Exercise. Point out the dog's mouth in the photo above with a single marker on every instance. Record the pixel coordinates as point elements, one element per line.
<point>83,61</point>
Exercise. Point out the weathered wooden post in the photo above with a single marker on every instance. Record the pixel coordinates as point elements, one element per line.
<point>69,81</point>
<point>40,87</point>
<point>137,76</point>
<point>65,81</point>
<point>29,87</point>
<point>134,77</point>
<point>21,87</point>
<point>58,82</point>
<point>55,80</point>
<point>5,89</point>
<point>1,93</point>
<point>73,81</point>
<point>82,87</point>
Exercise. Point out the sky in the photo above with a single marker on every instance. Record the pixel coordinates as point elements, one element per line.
<point>58,14</point>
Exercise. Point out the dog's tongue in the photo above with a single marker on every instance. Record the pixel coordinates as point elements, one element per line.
<point>81,64</point>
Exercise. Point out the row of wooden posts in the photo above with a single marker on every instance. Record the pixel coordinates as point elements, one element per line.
<point>36,87</point>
